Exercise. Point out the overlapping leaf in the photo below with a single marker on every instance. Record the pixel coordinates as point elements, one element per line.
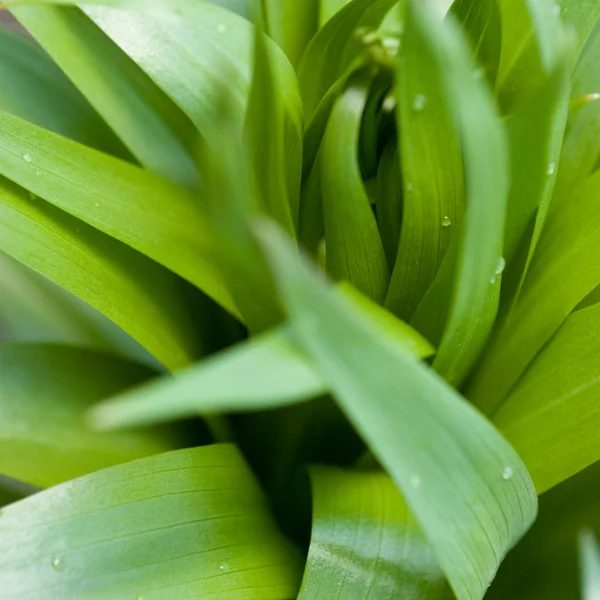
<point>190,523</point>
<point>365,542</point>
<point>467,488</point>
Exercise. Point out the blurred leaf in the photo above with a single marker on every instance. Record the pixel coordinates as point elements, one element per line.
<point>481,22</point>
<point>365,542</point>
<point>478,252</point>
<point>581,16</point>
<point>354,249</point>
<point>432,169</point>
<point>12,490</point>
<point>262,373</point>
<point>551,417</point>
<point>153,129</point>
<point>564,269</point>
<point>27,74</point>
<point>45,391</point>
<point>278,186</point>
<point>335,46</point>
<point>34,309</point>
<point>191,523</point>
<point>134,292</point>
<point>590,565</point>
<point>467,488</point>
<point>158,218</point>
<point>532,37</point>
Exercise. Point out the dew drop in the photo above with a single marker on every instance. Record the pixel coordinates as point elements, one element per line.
<point>493,279</point>
<point>38,173</point>
<point>446,221</point>
<point>222,28</point>
<point>415,481</point>
<point>409,186</point>
<point>97,204</point>
<point>32,196</point>
<point>507,473</point>
<point>58,563</point>
<point>419,103</point>
<point>551,169</point>
<point>388,105</point>
<point>27,157</point>
<point>223,568</point>
<point>501,265</point>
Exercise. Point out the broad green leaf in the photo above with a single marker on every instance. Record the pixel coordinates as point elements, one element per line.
<point>34,309</point>
<point>328,8</point>
<point>549,417</point>
<point>354,249</point>
<point>531,40</point>
<point>389,201</point>
<point>153,129</point>
<point>432,169</point>
<point>365,542</point>
<point>589,557</point>
<point>45,391</point>
<point>277,188</point>
<point>580,16</point>
<point>27,74</point>
<point>137,294</point>
<point>468,489</point>
<point>185,524</point>
<point>478,255</point>
<point>160,219</point>
<point>482,23</point>
<point>262,373</point>
<point>564,270</point>
<point>332,50</point>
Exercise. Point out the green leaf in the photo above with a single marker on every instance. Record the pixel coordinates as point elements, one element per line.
<point>467,488</point>
<point>581,16</point>
<point>432,169</point>
<point>549,417</point>
<point>564,270</point>
<point>262,373</point>
<point>153,129</point>
<point>34,309</point>
<point>134,292</point>
<point>160,219</point>
<point>365,542</point>
<point>186,524</point>
<point>389,201</point>
<point>27,74</point>
<point>532,37</point>
<point>354,249</point>
<point>45,391</point>
<point>589,552</point>
<point>478,256</point>
<point>331,52</point>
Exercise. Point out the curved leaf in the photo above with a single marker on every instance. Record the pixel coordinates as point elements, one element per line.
<point>190,523</point>
<point>45,392</point>
<point>432,169</point>
<point>148,123</point>
<point>134,292</point>
<point>158,218</point>
<point>354,249</point>
<point>262,373</point>
<point>365,542</point>
<point>466,486</point>
<point>27,74</point>
<point>552,416</point>
<point>335,46</point>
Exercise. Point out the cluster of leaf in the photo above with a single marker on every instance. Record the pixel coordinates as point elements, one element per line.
<point>172,367</point>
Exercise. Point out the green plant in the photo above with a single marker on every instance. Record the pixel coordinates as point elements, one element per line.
<point>172,368</point>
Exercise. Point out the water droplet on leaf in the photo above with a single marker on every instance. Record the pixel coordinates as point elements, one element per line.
<point>500,266</point>
<point>27,157</point>
<point>409,187</point>
<point>507,473</point>
<point>222,28</point>
<point>551,168</point>
<point>32,196</point>
<point>419,103</point>
<point>389,104</point>
<point>446,221</point>
<point>58,563</point>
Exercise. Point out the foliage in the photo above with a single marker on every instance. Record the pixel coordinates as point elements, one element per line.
<point>299,299</point>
